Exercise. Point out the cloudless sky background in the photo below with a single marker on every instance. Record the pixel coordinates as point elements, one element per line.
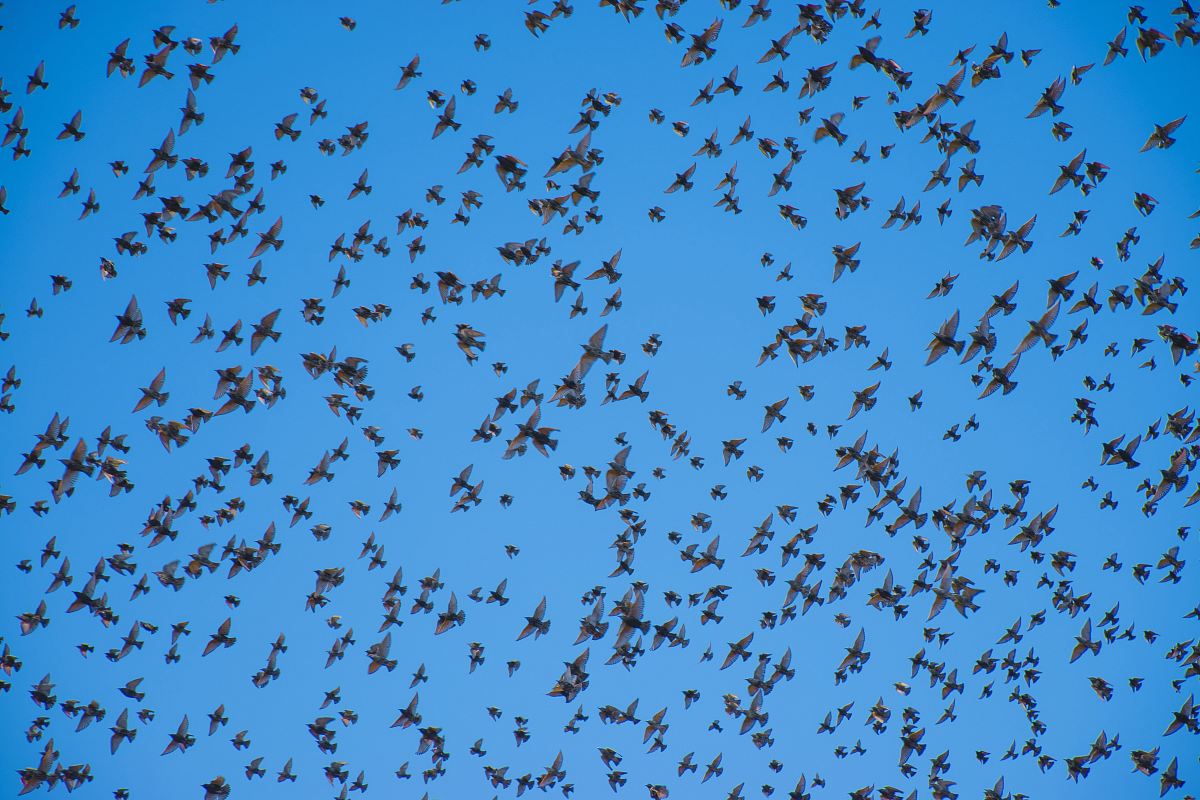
<point>692,279</point>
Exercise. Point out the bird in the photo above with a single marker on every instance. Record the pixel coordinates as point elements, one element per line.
<point>1161,137</point>
<point>677,639</point>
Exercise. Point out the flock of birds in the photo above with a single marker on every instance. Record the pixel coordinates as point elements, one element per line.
<point>803,557</point>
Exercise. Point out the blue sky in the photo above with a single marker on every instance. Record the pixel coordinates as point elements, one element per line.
<point>693,279</point>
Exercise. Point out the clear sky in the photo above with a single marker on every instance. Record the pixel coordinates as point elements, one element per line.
<point>715,287</point>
